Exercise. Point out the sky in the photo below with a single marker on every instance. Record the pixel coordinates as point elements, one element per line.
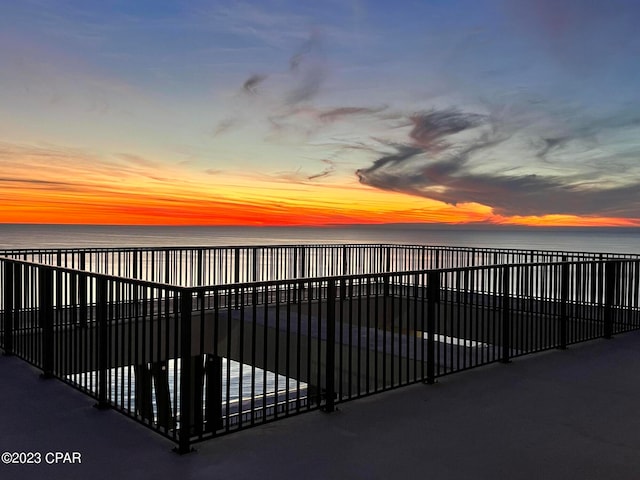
<point>278,112</point>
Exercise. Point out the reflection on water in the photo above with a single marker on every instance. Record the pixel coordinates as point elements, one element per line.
<point>239,381</point>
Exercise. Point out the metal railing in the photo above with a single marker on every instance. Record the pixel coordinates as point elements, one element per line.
<point>192,362</point>
<point>201,266</point>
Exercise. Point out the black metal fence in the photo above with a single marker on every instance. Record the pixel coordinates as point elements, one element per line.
<point>193,360</point>
<point>199,266</point>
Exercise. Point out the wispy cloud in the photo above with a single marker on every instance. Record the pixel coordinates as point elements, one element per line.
<point>77,169</point>
<point>339,113</point>
<point>309,70</point>
<point>561,175</point>
<point>304,77</point>
<point>250,85</point>
<point>302,176</point>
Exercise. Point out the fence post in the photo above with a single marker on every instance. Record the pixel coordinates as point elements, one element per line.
<point>303,271</point>
<point>200,267</point>
<point>83,282</point>
<point>167,266</point>
<point>135,260</point>
<point>236,275</point>
<point>506,316</point>
<point>9,290</point>
<point>294,262</point>
<point>213,406</point>
<point>58,279</point>
<point>609,296</point>
<point>387,269</point>
<point>564,299</point>
<point>236,265</point>
<point>254,267</point>
<point>17,292</point>
<point>46,319</point>
<point>345,261</point>
<point>296,271</point>
<point>102,317</point>
<point>433,297</point>
<point>186,374</point>
<point>330,360</point>
<point>345,271</point>
<point>73,296</point>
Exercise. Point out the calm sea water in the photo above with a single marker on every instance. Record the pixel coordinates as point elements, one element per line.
<point>614,240</point>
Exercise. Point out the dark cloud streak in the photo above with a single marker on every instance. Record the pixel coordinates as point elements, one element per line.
<point>331,167</point>
<point>431,127</point>
<point>432,165</point>
<point>35,182</point>
<point>250,85</point>
<point>342,112</point>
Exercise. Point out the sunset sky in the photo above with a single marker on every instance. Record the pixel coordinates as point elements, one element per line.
<point>206,112</point>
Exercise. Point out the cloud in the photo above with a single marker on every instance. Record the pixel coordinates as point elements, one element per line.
<point>138,161</point>
<point>340,113</point>
<point>302,177</point>
<point>428,134</point>
<point>249,86</point>
<point>302,81</point>
<point>309,70</point>
<point>224,126</point>
<point>63,168</point>
<point>503,123</point>
<point>328,170</point>
<point>457,157</point>
<point>286,98</point>
<point>7,182</point>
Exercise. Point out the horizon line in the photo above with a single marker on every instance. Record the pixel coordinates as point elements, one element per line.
<point>409,225</point>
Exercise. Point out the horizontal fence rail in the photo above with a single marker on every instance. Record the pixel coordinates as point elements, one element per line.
<point>206,349</point>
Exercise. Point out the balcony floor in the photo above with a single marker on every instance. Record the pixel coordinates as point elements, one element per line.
<point>555,415</point>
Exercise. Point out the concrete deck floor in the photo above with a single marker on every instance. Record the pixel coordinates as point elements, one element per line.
<point>571,414</point>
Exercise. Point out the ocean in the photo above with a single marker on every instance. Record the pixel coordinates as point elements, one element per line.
<point>592,239</point>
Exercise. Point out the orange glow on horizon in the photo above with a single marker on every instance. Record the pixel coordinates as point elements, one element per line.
<point>568,221</point>
<point>367,206</point>
<point>73,188</point>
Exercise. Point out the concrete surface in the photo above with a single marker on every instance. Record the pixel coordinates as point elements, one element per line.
<point>571,414</point>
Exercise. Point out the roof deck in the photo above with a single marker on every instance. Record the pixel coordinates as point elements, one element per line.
<point>158,335</point>
<point>555,415</point>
